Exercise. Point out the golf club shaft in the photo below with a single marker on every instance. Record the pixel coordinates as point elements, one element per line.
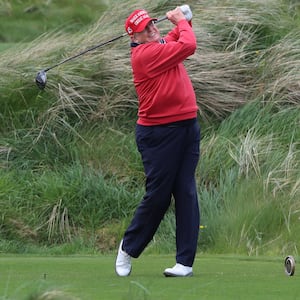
<point>161,19</point>
<point>85,51</point>
<point>95,47</point>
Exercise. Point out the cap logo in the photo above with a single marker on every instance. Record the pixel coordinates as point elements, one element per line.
<point>140,16</point>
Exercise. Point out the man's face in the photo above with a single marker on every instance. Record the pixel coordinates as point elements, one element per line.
<point>149,34</point>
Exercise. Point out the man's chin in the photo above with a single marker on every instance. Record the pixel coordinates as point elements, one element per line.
<point>155,39</point>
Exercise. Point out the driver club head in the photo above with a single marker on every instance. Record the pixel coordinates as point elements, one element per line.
<point>41,79</point>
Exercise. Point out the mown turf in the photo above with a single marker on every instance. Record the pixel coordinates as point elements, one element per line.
<point>93,278</point>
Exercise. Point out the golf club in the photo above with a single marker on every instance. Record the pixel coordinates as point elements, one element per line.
<point>41,77</point>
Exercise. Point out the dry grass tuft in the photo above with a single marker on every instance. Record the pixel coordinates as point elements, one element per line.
<point>281,71</point>
<point>285,176</point>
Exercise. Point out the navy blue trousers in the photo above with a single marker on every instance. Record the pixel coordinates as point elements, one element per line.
<point>170,154</point>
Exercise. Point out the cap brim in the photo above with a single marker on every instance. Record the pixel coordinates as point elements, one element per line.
<point>144,23</point>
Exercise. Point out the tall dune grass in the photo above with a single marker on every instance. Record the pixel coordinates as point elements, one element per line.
<point>225,70</point>
<point>280,78</point>
<point>250,182</point>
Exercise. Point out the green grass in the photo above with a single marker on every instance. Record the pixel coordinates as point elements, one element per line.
<point>93,278</point>
<point>26,20</point>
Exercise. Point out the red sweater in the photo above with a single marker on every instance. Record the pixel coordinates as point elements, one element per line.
<point>164,89</point>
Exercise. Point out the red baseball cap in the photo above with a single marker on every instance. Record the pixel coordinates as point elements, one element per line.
<point>137,21</point>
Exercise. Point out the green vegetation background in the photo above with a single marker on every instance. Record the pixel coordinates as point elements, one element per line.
<point>70,173</point>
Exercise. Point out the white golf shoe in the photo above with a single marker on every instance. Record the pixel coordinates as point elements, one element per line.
<point>179,270</point>
<point>123,262</point>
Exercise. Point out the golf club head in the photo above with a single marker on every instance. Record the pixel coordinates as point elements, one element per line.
<point>41,79</point>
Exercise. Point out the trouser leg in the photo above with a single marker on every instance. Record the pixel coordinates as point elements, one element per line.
<point>160,148</point>
<point>186,200</point>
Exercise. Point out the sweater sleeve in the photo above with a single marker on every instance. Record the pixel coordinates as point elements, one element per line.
<point>152,59</point>
<point>173,35</point>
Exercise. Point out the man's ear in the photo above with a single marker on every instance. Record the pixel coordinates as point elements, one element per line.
<point>133,39</point>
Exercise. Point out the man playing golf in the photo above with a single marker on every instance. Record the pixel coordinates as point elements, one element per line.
<point>167,137</point>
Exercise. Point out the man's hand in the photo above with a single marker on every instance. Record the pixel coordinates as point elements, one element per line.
<point>175,15</point>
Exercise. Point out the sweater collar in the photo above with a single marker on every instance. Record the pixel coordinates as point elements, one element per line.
<point>133,44</point>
